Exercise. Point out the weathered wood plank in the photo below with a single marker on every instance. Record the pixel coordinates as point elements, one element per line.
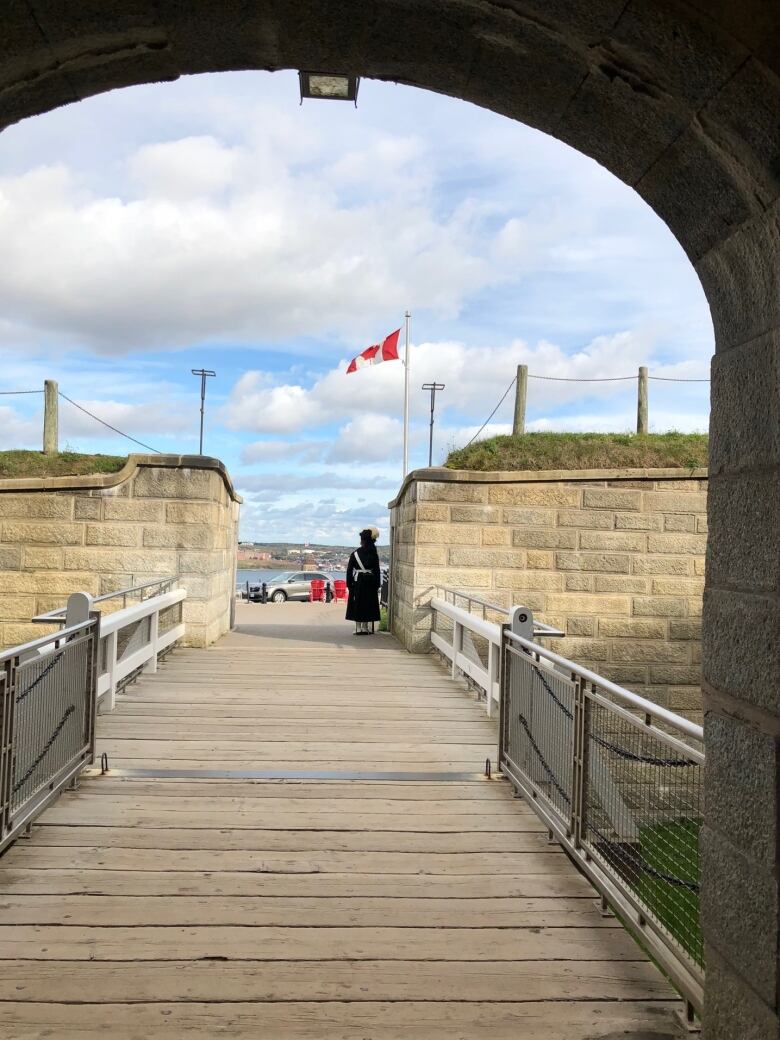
<point>90,799</point>
<point>535,1020</point>
<point>490,795</point>
<point>201,836</point>
<point>195,942</point>
<point>29,879</point>
<point>269,862</point>
<point>299,912</point>
<point>520,981</point>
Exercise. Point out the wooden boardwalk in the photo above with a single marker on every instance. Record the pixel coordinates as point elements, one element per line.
<point>297,906</point>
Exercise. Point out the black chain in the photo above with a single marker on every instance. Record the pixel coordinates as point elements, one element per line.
<point>545,766</point>
<point>46,749</point>
<point>55,661</point>
<point>621,752</point>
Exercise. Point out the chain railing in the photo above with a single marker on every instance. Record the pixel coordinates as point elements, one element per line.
<point>619,782</point>
<point>48,699</point>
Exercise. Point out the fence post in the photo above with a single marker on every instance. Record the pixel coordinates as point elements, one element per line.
<point>521,391</point>
<point>50,417</point>
<point>641,404</point>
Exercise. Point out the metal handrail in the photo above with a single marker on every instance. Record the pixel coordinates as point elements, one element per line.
<point>540,628</point>
<point>56,615</point>
<point>617,780</point>
<point>637,702</point>
<point>26,649</point>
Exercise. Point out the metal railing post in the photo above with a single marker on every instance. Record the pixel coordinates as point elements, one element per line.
<point>578,765</point>
<point>503,694</point>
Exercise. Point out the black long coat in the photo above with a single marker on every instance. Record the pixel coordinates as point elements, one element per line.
<point>363,600</point>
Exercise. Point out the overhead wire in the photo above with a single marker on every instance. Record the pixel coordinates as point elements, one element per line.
<point>107,424</point>
<point>484,424</point>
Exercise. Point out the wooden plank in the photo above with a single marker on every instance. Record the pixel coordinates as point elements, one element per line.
<point>218,982</point>
<point>229,750</point>
<point>229,942</point>
<point>91,798</point>
<point>269,862</point>
<point>339,731</point>
<point>483,792</point>
<point>27,878</point>
<point>290,763</point>
<point>529,835</point>
<point>140,836</point>
<point>535,1020</point>
<point>313,715</point>
<point>297,912</point>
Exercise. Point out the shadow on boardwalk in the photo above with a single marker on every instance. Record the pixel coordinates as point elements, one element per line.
<point>289,908</point>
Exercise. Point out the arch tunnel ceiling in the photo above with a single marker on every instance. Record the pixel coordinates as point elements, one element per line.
<point>679,100</point>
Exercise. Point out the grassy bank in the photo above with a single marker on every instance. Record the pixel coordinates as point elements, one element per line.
<point>65,464</point>
<point>545,451</point>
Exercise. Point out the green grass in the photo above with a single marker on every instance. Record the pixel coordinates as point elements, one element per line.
<point>383,619</point>
<point>65,464</point>
<point>549,451</point>
<point>673,849</point>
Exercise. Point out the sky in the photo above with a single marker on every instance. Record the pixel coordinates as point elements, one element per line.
<point>216,222</point>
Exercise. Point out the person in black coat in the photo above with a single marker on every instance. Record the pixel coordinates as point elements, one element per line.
<point>363,581</point>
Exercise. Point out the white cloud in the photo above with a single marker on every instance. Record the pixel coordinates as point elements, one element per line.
<point>256,406</point>
<point>221,242</point>
<point>191,167</point>
<point>274,451</point>
<point>368,438</point>
<point>139,420</point>
<point>17,431</point>
<point>318,520</point>
<point>287,483</point>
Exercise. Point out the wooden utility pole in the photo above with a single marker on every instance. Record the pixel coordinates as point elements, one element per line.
<point>641,405</point>
<point>521,390</point>
<point>50,417</point>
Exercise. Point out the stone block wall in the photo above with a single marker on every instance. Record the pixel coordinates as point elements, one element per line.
<point>159,516</point>
<point>615,559</point>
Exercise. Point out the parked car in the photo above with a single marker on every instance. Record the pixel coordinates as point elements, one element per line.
<point>289,585</point>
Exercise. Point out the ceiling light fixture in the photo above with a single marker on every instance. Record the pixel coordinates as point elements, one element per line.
<point>328,86</point>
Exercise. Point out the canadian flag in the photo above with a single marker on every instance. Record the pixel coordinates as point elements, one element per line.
<point>386,351</point>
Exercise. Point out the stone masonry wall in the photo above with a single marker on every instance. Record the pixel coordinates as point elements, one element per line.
<point>613,559</point>
<point>159,516</point>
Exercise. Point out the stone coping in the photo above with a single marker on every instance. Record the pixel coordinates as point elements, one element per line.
<point>97,481</point>
<point>442,475</point>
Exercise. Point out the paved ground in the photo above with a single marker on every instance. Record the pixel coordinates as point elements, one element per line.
<point>274,902</point>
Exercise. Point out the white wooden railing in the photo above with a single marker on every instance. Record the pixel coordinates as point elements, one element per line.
<point>133,638</point>
<point>455,641</point>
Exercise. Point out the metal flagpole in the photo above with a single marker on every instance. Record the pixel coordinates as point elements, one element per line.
<point>408,321</point>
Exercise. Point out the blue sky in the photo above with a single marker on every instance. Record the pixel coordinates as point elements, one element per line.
<point>215,222</point>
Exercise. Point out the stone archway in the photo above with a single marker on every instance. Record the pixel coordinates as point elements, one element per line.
<point>681,100</point>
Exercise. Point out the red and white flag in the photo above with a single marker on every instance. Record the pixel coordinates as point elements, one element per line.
<point>386,351</point>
